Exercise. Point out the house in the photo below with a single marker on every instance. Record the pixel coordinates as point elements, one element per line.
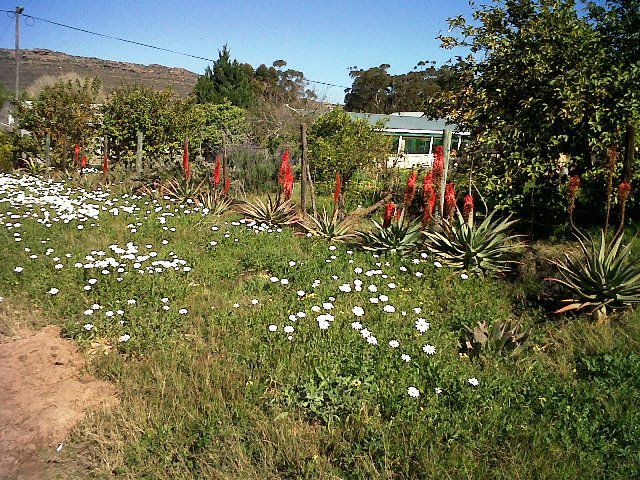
<point>414,136</point>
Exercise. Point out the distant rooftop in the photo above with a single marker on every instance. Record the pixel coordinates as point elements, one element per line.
<point>411,122</point>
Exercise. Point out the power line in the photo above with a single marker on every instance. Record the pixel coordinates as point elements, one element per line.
<point>147,45</point>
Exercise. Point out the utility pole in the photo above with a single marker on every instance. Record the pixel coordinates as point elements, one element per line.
<point>18,11</point>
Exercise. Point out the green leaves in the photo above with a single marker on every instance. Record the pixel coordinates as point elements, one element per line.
<point>330,227</point>
<point>604,277</point>
<point>274,213</point>
<point>338,143</point>
<point>399,238</point>
<point>486,249</point>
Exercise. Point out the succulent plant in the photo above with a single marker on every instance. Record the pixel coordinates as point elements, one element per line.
<point>216,203</point>
<point>398,237</point>
<point>604,278</point>
<point>182,190</point>
<point>274,212</point>
<point>331,227</point>
<point>487,248</point>
<point>504,337</point>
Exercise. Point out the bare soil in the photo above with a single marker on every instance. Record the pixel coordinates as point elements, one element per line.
<point>44,391</point>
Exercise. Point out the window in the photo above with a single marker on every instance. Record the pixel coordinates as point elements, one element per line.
<point>418,145</point>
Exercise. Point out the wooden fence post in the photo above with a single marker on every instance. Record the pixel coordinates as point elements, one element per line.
<point>446,145</point>
<point>47,150</point>
<point>303,169</point>
<point>139,153</point>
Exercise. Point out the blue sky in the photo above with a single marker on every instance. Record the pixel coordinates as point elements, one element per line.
<point>320,38</point>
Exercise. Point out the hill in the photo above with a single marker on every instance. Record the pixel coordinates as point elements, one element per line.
<point>38,63</point>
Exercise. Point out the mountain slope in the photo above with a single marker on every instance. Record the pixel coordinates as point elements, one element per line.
<point>38,63</point>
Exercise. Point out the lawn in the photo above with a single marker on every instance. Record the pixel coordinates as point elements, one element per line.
<point>243,351</point>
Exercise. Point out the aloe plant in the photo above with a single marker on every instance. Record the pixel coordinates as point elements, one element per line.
<point>603,278</point>
<point>487,248</point>
<point>215,203</point>
<point>504,337</point>
<point>331,227</point>
<point>402,237</point>
<point>276,212</point>
<point>182,190</point>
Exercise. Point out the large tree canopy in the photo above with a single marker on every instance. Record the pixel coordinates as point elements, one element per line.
<point>226,81</point>
<point>544,81</point>
<point>375,90</point>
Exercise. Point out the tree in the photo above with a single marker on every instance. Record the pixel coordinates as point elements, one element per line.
<point>537,88</point>
<point>376,91</point>
<point>338,143</point>
<point>226,81</point>
<point>206,124</point>
<point>66,111</point>
<point>370,90</point>
<point>134,108</point>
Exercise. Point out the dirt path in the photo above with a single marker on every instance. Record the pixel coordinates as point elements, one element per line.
<point>44,391</point>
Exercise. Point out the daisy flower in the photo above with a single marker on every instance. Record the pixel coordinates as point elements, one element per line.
<point>413,392</point>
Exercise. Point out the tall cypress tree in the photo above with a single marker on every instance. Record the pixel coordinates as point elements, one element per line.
<point>226,80</point>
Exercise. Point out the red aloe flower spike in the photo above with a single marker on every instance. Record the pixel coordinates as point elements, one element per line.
<point>185,160</point>
<point>388,214</point>
<point>623,192</point>
<point>227,185</point>
<point>105,163</point>
<point>438,165</point>
<point>76,154</point>
<point>284,167</point>
<point>410,191</point>
<point>84,161</point>
<point>216,172</point>
<point>572,192</point>
<point>288,185</point>
<point>623,195</point>
<point>467,208</point>
<point>429,196</point>
<point>450,199</point>
<point>337,190</point>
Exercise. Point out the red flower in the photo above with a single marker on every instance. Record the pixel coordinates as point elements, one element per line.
<point>216,172</point>
<point>227,184</point>
<point>185,160</point>
<point>450,199</point>
<point>438,165</point>
<point>623,192</point>
<point>105,163</point>
<point>338,189</point>
<point>285,166</point>
<point>285,176</point>
<point>288,184</point>
<point>84,161</point>
<point>388,214</point>
<point>467,207</point>
<point>410,191</point>
<point>76,154</point>
<point>429,195</point>
<point>572,191</point>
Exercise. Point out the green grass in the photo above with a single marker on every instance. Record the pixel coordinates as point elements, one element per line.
<point>214,394</point>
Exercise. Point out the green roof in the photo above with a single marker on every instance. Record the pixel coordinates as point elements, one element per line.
<point>406,123</point>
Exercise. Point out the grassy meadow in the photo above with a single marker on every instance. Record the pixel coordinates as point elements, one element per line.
<point>242,351</point>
